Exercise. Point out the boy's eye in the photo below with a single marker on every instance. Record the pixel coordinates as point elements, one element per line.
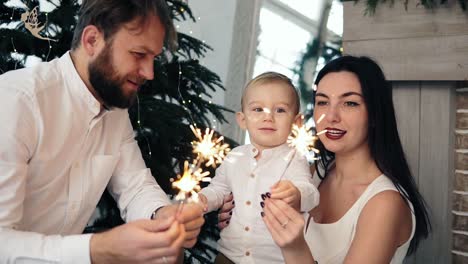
<point>258,109</point>
<point>280,110</point>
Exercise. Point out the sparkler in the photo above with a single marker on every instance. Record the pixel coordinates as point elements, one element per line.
<point>189,183</point>
<point>302,140</point>
<point>209,149</point>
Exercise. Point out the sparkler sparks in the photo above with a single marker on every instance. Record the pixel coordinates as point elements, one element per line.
<point>302,139</point>
<point>208,148</point>
<point>189,182</point>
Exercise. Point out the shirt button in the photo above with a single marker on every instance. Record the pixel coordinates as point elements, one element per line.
<point>252,175</point>
<point>247,228</point>
<point>248,203</point>
<point>247,253</point>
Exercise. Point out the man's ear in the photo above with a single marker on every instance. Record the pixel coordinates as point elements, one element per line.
<point>240,118</point>
<point>92,40</point>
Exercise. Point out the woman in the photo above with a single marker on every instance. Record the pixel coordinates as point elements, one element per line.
<point>370,210</point>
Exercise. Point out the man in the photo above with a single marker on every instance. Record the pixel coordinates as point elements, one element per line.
<point>66,135</point>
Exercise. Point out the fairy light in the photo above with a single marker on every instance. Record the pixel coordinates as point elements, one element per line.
<point>140,128</point>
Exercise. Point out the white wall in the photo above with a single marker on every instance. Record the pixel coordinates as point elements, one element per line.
<point>215,27</point>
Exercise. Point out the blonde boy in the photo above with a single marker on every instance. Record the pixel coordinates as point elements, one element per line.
<point>270,106</point>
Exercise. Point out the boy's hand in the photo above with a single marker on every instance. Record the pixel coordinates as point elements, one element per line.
<point>203,201</point>
<point>286,191</point>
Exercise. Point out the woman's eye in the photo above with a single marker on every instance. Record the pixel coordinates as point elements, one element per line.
<point>321,103</point>
<point>350,103</point>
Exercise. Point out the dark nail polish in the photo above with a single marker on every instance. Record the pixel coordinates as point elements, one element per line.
<point>262,214</point>
<point>263,196</point>
<point>262,204</point>
<point>268,194</point>
<point>227,222</point>
<point>230,213</point>
<point>233,202</point>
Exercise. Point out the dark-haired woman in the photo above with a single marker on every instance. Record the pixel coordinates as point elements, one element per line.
<point>370,210</point>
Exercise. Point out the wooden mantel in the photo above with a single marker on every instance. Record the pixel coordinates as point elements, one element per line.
<point>416,44</point>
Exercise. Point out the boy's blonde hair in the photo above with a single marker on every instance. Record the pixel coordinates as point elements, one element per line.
<point>272,77</point>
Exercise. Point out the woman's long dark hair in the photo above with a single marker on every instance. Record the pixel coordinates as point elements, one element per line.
<point>383,139</point>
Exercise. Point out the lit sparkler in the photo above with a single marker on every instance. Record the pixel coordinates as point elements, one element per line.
<point>189,183</point>
<point>303,140</point>
<point>209,148</point>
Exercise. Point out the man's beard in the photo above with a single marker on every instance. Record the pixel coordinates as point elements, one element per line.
<point>107,83</point>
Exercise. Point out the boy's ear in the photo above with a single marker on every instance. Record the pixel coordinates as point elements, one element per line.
<point>240,118</point>
<point>299,119</point>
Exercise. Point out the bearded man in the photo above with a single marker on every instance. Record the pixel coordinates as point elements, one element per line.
<point>66,136</point>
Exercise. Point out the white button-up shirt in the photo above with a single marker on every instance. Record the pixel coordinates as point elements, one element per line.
<point>246,239</point>
<point>58,152</point>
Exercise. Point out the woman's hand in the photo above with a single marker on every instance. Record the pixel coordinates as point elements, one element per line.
<point>286,191</point>
<point>225,212</point>
<point>285,224</point>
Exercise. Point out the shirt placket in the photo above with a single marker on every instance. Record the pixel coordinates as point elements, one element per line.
<point>77,188</point>
<point>248,204</point>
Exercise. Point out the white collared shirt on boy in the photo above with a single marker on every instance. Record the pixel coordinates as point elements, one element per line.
<point>246,239</point>
<point>58,152</point>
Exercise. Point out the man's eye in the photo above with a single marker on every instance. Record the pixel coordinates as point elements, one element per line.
<point>139,55</point>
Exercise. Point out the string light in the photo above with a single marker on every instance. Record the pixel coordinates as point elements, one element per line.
<point>140,128</point>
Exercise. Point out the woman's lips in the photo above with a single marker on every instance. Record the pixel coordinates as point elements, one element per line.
<point>334,134</point>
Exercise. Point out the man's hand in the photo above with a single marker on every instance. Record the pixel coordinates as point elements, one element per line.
<point>191,216</point>
<point>225,212</point>
<point>286,191</point>
<point>142,241</point>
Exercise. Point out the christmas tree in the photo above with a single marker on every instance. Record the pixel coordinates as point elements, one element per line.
<point>178,96</point>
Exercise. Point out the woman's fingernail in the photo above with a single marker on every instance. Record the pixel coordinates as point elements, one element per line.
<point>262,204</point>
<point>230,213</point>
<point>263,196</point>
<point>268,194</point>
<point>233,202</point>
<point>262,214</point>
<point>227,222</point>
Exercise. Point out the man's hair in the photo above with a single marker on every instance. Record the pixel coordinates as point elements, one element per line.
<point>110,15</point>
<point>272,77</point>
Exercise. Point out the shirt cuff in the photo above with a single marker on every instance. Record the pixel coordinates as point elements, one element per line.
<point>211,198</point>
<point>76,249</point>
<point>309,197</point>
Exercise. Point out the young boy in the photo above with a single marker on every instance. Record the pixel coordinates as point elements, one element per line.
<point>270,106</point>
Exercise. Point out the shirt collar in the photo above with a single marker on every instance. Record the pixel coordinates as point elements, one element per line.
<point>77,86</point>
<point>281,150</point>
